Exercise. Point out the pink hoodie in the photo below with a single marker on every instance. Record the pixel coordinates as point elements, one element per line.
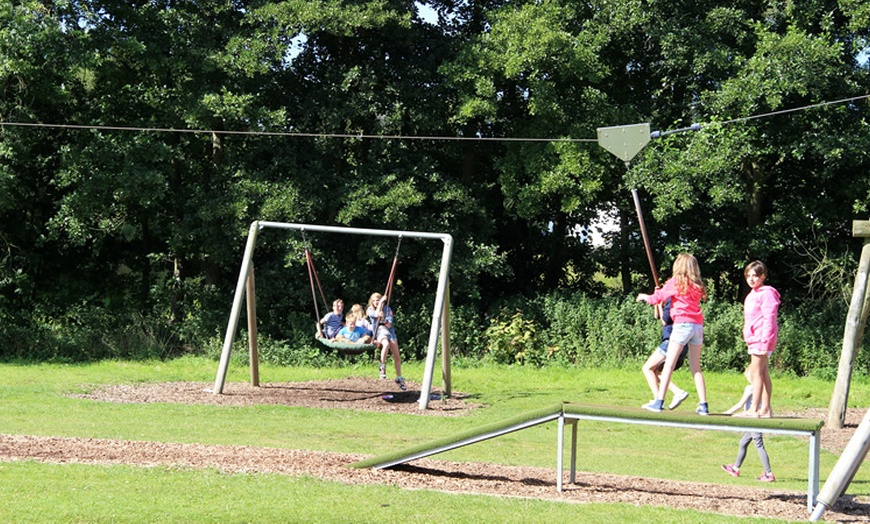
<point>760,309</point>
<point>684,307</point>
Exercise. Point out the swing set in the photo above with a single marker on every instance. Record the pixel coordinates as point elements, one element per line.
<point>346,348</point>
<point>245,289</point>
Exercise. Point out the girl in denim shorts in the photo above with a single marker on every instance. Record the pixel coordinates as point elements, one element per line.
<point>686,291</point>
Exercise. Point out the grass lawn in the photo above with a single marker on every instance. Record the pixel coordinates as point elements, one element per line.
<point>34,401</point>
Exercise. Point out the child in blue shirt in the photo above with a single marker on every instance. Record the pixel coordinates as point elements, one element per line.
<point>331,322</point>
<point>351,332</point>
<point>655,363</point>
<point>361,320</point>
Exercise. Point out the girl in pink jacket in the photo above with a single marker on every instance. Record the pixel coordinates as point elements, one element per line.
<point>760,330</point>
<point>686,290</point>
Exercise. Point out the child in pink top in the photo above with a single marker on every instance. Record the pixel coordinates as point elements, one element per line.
<point>686,290</point>
<point>760,330</point>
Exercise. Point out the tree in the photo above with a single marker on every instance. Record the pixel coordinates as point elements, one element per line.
<point>773,187</point>
<point>534,74</point>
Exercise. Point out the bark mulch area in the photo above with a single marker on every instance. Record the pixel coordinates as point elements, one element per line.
<point>454,477</point>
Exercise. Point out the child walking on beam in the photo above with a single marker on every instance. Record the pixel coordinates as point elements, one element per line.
<point>653,366</point>
<point>760,332</point>
<point>686,290</point>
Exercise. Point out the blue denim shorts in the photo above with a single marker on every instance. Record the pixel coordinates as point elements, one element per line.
<point>688,333</point>
<point>386,333</point>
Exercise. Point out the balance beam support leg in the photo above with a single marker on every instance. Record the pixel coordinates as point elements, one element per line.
<point>813,474</point>
<point>574,452</point>
<point>560,441</point>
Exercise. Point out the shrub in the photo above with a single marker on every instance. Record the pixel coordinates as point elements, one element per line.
<point>723,337</point>
<point>810,342</point>
<point>515,340</point>
<point>595,331</point>
<point>559,328</point>
<point>467,337</point>
<point>88,332</point>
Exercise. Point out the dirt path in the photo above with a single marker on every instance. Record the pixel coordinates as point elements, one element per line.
<point>482,478</point>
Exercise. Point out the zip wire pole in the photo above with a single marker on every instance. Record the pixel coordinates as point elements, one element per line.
<point>643,233</point>
<point>626,142</point>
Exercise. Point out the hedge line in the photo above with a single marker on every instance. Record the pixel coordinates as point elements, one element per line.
<point>565,329</point>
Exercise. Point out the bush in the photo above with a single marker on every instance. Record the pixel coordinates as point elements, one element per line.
<point>467,338</point>
<point>88,332</point>
<point>723,337</point>
<point>574,329</point>
<point>559,328</point>
<point>599,331</point>
<point>810,342</point>
<point>515,340</point>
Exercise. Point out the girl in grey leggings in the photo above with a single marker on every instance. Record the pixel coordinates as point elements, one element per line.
<point>749,436</point>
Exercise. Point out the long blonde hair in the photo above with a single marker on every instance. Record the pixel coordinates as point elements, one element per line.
<point>687,273</point>
<point>358,310</point>
<point>372,299</point>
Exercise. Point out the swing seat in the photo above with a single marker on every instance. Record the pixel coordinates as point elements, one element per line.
<point>347,348</point>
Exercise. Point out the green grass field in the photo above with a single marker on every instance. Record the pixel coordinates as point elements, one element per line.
<point>34,401</point>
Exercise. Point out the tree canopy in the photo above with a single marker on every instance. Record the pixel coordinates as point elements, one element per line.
<point>138,140</point>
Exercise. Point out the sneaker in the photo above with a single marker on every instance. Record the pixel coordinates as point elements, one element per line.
<point>383,372</point>
<point>766,477</point>
<point>731,470</point>
<point>702,409</point>
<point>678,399</point>
<point>401,382</point>
<point>654,405</point>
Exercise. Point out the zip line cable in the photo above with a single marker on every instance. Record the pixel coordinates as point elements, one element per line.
<point>405,137</point>
<point>784,111</point>
<point>295,134</point>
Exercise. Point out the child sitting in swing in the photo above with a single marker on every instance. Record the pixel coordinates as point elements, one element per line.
<point>330,324</point>
<point>361,320</point>
<point>381,316</point>
<point>351,332</point>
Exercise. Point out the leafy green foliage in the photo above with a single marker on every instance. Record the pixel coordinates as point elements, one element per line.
<point>515,340</point>
<point>141,230</point>
<point>811,340</point>
<point>577,330</point>
<point>724,348</point>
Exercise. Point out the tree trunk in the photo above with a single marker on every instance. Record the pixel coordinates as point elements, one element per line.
<point>624,248</point>
<point>555,265</point>
<point>175,313</point>
<point>754,203</point>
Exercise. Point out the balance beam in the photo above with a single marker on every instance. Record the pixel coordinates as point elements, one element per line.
<point>572,413</point>
<point>465,438</point>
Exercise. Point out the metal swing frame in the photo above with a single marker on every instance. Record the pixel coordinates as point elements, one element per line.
<point>245,286</point>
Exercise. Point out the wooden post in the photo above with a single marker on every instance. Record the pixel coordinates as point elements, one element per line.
<point>845,469</point>
<point>853,331</point>
<point>445,346</point>
<point>252,329</point>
